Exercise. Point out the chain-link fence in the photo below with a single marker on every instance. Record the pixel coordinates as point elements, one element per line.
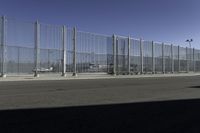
<point>50,54</point>
<point>121,55</point>
<point>1,44</point>
<point>91,53</point>
<point>33,47</point>
<point>158,57</point>
<point>135,60</point>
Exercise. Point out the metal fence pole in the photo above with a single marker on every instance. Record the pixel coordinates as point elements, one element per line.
<point>194,63</point>
<point>163,58</point>
<point>172,58</point>
<point>18,60</point>
<point>179,63</point>
<point>114,55</point>
<point>37,48</point>
<point>117,55</point>
<point>187,59</point>
<point>141,57</point>
<point>64,51</point>
<point>3,45</point>
<point>74,51</point>
<point>153,58</point>
<point>129,59</point>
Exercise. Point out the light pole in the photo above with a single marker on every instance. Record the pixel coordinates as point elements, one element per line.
<point>189,42</point>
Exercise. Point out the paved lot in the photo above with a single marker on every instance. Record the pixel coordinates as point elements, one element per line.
<point>33,94</point>
<point>141,105</point>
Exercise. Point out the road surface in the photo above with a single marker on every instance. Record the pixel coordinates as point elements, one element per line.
<point>170,104</point>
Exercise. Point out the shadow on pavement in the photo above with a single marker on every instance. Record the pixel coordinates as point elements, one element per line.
<point>181,116</point>
<point>197,87</point>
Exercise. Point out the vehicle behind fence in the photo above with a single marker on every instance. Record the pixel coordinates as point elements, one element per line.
<point>35,48</point>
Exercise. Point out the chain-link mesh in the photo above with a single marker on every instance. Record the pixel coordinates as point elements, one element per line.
<point>1,45</point>
<point>19,49</point>
<point>176,58</point>
<point>190,59</point>
<point>110,55</point>
<point>91,53</point>
<point>168,58</point>
<point>197,60</point>
<point>158,57</point>
<point>135,60</point>
<point>94,52</point>
<point>122,55</point>
<point>50,48</point>
<point>147,53</point>
<point>69,51</point>
<point>19,33</point>
<point>20,60</point>
<point>183,60</point>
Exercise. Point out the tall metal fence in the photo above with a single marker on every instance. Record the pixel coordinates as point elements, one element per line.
<point>35,48</point>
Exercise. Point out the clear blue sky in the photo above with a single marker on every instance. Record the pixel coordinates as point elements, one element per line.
<point>160,20</point>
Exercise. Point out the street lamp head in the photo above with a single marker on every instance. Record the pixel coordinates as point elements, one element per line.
<point>191,40</point>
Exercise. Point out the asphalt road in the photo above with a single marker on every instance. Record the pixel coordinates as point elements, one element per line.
<point>34,94</point>
<point>103,105</point>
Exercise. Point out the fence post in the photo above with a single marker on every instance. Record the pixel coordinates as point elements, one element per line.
<point>64,51</point>
<point>129,59</point>
<point>74,51</point>
<point>194,63</point>
<point>18,57</point>
<point>37,48</point>
<point>3,45</point>
<point>153,59</point>
<point>172,58</point>
<point>117,55</point>
<point>179,63</point>
<point>187,59</point>
<point>141,57</point>
<point>114,55</point>
<point>163,58</point>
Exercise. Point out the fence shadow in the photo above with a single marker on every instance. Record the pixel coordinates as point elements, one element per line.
<point>195,87</point>
<point>181,116</point>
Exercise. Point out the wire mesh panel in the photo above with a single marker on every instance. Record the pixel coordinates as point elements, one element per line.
<point>12,60</point>
<point>91,52</point>
<point>85,52</point>
<point>197,60</point>
<point>1,52</point>
<point>19,33</point>
<point>147,53</point>
<point>158,57</point>
<point>50,60</point>
<point>94,52</point>
<point>190,59</point>
<point>175,58</point>
<point>135,59</point>
<point>1,25</point>
<point>69,51</point>
<point>50,48</point>
<point>168,58</point>
<point>122,55</point>
<point>1,59</point>
<point>19,46</point>
<point>26,60</point>
<point>183,60</point>
<point>19,60</point>
<point>110,55</point>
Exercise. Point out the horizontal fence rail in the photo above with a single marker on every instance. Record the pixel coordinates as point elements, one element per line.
<point>35,48</point>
